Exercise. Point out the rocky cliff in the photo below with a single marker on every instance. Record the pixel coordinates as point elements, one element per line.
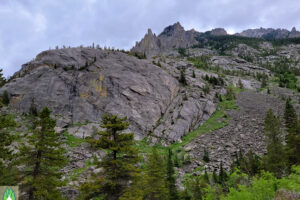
<point>80,84</point>
<point>270,33</point>
<point>171,38</point>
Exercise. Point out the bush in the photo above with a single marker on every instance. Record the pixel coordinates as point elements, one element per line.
<point>229,93</point>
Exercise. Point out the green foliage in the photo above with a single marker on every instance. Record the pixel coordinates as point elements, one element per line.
<point>262,188</point>
<point>32,109</point>
<point>5,98</point>
<point>182,78</point>
<point>206,156</point>
<point>240,84</point>
<point>182,52</point>
<point>194,75</point>
<point>137,54</point>
<point>292,182</point>
<point>156,178</point>
<point>2,79</point>
<point>119,163</point>
<point>214,80</point>
<point>7,168</point>
<point>171,179</point>
<point>73,141</point>
<point>275,160</point>
<point>206,89</point>
<point>230,94</point>
<point>293,137</point>
<point>43,158</point>
<point>201,62</point>
<point>223,43</point>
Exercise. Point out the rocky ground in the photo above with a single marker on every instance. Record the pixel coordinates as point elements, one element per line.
<point>244,131</point>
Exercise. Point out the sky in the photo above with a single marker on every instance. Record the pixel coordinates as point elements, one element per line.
<point>28,27</point>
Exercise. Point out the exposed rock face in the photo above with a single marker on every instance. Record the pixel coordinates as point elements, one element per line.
<point>115,83</point>
<point>81,84</point>
<point>171,38</point>
<point>218,32</point>
<point>270,33</point>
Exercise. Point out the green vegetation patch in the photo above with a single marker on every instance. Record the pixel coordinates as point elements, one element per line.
<point>73,141</point>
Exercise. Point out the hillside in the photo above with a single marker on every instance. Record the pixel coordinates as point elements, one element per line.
<point>192,92</point>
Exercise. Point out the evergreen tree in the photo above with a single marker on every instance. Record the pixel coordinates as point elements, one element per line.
<point>196,189</point>
<point>290,116</point>
<point>206,155</point>
<point>222,174</point>
<point>274,161</point>
<point>155,178</point>
<point>5,98</point>
<point>2,79</point>
<point>215,177</point>
<point>171,179</point>
<point>293,137</point>
<point>43,158</point>
<point>194,75</point>
<point>119,163</point>
<point>7,169</point>
<point>240,84</point>
<point>182,78</point>
<point>32,109</point>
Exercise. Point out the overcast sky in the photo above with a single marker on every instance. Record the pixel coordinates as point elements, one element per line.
<point>28,27</point>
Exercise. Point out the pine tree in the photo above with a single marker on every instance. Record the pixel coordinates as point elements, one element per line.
<point>194,75</point>
<point>215,177</point>
<point>5,98</point>
<point>274,161</point>
<point>7,169</point>
<point>293,137</point>
<point>206,155</point>
<point>182,78</point>
<point>290,116</point>
<point>171,179</point>
<point>196,189</point>
<point>119,163</point>
<point>43,158</point>
<point>222,174</point>
<point>155,178</point>
<point>2,79</point>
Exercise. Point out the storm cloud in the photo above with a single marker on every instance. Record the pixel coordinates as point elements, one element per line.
<point>31,26</point>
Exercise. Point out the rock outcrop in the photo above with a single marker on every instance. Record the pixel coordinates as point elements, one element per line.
<point>172,38</point>
<point>270,33</point>
<point>81,84</point>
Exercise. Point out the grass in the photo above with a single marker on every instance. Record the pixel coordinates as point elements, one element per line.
<point>76,172</point>
<point>218,120</point>
<point>73,141</point>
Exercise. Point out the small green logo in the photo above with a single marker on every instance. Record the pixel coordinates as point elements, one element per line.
<point>9,194</point>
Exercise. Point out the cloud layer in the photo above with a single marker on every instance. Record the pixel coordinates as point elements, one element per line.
<point>31,26</point>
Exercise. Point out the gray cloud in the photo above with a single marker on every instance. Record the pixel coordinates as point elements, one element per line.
<point>31,26</point>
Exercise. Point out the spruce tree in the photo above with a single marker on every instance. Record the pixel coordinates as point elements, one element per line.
<point>2,79</point>
<point>275,160</point>
<point>119,163</point>
<point>43,157</point>
<point>156,187</point>
<point>290,116</point>
<point>293,137</point>
<point>171,176</point>
<point>7,169</point>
